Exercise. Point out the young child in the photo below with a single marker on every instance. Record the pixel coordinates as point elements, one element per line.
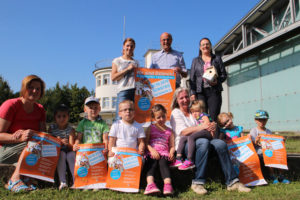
<point>92,129</point>
<point>126,132</point>
<point>198,111</point>
<point>62,130</point>
<point>228,130</point>
<point>261,118</point>
<point>161,148</point>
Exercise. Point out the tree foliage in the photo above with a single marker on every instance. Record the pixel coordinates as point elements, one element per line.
<point>5,91</point>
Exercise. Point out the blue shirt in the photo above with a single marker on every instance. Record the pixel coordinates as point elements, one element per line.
<point>232,133</point>
<point>168,60</point>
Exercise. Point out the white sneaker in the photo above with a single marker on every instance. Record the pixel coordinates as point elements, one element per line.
<point>239,187</point>
<point>62,186</point>
<point>199,189</point>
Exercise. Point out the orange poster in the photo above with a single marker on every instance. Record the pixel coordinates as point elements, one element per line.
<point>90,167</point>
<point>41,157</point>
<point>153,86</point>
<point>274,152</point>
<point>245,161</point>
<point>124,170</point>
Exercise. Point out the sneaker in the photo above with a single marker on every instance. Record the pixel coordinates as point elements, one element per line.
<point>274,179</point>
<point>62,186</point>
<point>199,189</point>
<point>186,165</point>
<point>168,189</point>
<point>151,189</point>
<point>285,181</point>
<point>176,163</point>
<point>239,187</point>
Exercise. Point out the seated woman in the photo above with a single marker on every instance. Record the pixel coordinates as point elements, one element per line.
<point>184,124</point>
<point>18,118</point>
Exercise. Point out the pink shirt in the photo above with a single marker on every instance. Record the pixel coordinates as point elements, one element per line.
<point>12,110</point>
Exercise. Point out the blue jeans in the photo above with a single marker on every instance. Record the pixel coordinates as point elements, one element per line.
<point>121,96</point>
<point>203,146</point>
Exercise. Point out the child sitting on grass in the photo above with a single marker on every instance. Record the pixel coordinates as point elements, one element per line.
<point>261,119</point>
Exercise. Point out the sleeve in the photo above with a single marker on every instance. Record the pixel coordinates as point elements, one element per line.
<point>105,128</point>
<point>182,64</point>
<point>222,74</point>
<point>193,79</point>
<point>7,110</point>
<point>113,130</point>
<point>177,122</point>
<point>141,132</point>
<point>253,134</point>
<point>79,128</point>
<point>43,113</point>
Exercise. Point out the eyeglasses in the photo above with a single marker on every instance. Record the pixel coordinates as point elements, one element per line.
<point>127,109</point>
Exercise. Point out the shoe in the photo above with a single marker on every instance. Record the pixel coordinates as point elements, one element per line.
<point>176,163</point>
<point>186,165</point>
<point>151,189</point>
<point>17,186</point>
<point>199,189</point>
<point>285,181</point>
<point>168,189</point>
<point>274,179</point>
<point>239,187</point>
<point>62,186</point>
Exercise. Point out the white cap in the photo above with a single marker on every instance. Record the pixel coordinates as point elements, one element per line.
<point>91,99</point>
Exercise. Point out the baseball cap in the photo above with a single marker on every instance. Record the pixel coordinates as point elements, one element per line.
<point>91,99</point>
<point>261,114</point>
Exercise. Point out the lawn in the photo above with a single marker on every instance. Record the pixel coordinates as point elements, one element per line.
<point>216,191</point>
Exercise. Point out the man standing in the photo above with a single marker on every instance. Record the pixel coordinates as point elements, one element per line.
<point>167,58</point>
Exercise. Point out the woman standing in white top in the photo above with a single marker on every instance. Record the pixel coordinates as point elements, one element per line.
<point>123,72</point>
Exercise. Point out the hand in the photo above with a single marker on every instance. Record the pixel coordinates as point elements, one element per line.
<point>257,140</point>
<point>23,135</point>
<point>75,147</point>
<point>141,151</point>
<point>65,141</point>
<point>213,83</point>
<point>17,135</point>
<point>177,70</point>
<point>105,151</point>
<point>131,67</point>
<point>111,154</point>
<point>212,134</point>
<point>154,154</point>
<point>193,97</point>
<point>171,155</point>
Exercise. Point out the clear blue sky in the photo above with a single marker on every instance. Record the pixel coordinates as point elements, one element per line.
<point>61,40</point>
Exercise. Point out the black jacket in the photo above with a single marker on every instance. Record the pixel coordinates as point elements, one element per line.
<point>196,80</point>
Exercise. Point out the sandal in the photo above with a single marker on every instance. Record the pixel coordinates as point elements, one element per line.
<point>14,187</point>
<point>29,183</point>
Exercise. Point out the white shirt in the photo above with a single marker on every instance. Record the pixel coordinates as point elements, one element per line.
<point>127,134</point>
<point>179,122</point>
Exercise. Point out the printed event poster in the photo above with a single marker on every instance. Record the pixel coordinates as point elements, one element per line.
<point>41,157</point>
<point>245,161</point>
<point>124,170</point>
<point>274,152</point>
<point>90,167</point>
<point>153,86</point>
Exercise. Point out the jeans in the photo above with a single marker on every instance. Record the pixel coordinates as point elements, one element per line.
<point>202,151</point>
<point>121,96</point>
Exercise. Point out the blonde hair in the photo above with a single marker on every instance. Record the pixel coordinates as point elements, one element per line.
<point>222,115</point>
<point>128,40</point>
<point>174,103</point>
<point>198,106</point>
<point>28,80</point>
<point>127,102</point>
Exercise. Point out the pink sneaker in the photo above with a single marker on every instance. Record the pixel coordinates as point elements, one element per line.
<point>186,165</point>
<point>176,163</point>
<point>151,189</point>
<point>168,189</point>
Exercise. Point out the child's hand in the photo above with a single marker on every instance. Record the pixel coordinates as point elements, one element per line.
<point>111,154</point>
<point>141,151</point>
<point>212,134</point>
<point>105,151</point>
<point>171,156</point>
<point>154,154</point>
<point>65,141</point>
<point>257,140</point>
<point>75,147</point>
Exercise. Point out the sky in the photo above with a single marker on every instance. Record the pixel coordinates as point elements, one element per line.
<point>61,40</point>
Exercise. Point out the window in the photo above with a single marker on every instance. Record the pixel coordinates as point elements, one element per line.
<point>114,102</point>
<point>106,79</point>
<point>98,81</point>
<point>105,102</point>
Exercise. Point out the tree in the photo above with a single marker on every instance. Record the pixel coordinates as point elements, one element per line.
<point>5,91</point>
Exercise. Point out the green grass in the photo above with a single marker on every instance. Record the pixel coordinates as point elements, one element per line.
<point>292,145</point>
<point>216,191</point>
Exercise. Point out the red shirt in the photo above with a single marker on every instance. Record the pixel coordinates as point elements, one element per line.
<point>12,110</point>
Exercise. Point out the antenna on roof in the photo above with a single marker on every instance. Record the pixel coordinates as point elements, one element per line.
<point>124,28</point>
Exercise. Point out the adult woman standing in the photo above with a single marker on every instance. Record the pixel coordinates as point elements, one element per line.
<point>201,88</point>
<point>19,117</point>
<point>183,124</point>
<point>123,72</point>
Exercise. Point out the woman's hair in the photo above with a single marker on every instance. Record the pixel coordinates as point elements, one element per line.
<point>28,80</point>
<point>174,103</point>
<point>61,108</point>
<point>156,108</point>
<point>128,40</point>
<point>198,106</point>
<point>200,52</point>
<point>222,115</point>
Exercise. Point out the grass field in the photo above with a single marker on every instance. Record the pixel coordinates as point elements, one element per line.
<point>216,191</point>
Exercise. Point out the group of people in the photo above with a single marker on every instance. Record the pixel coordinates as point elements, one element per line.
<point>186,144</point>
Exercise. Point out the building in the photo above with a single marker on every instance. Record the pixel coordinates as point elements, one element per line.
<point>262,56</point>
